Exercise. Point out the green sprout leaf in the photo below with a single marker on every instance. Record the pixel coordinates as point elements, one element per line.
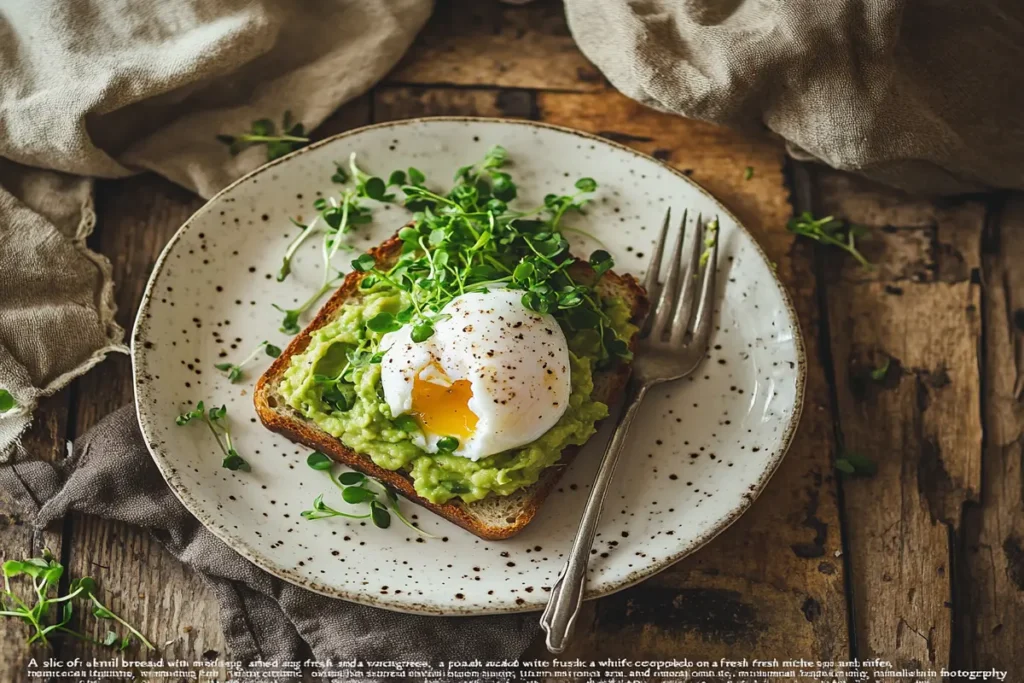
<point>407,423</point>
<point>351,478</point>
<point>601,261</point>
<point>264,132</point>
<point>357,494</point>
<point>379,515</point>
<point>233,461</point>
<point>375,188</point>
<point>422,332</point>
<point>855,464</point>
<point>7,401</point>
<point>586,184</point>
<point>340,176</point>
<point>447,444</point>
<point>832,232</point>
<point>318,461</point>
<point>879,373</point>
<point>383,322</point>
<point>364,263</point>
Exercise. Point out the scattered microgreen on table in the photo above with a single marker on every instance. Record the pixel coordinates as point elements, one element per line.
<point>357,489</point>
<point>216,420</point>
<point>831,231</point>
<point>264,132</point>
<point>234,371</point>
<point>879,373</point>
<point>855,464</point>
<point>45,574</point>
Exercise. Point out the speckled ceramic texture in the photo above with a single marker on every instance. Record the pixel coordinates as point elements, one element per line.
<point>699,452</point>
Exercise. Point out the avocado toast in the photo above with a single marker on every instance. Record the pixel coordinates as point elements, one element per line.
<point>493,517</point>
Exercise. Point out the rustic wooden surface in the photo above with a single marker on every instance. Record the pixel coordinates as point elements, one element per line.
<point>922,564</point>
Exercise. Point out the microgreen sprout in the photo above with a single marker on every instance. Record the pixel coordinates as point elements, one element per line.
<point>879,373</point>
<point>357,489</point>
<point>855,464</point>
<point>748,173</point>
<point>216,420</point>
<point>45,573</point>
<point>234,371</point>
<point>264,132</point>
<point>340,175</point>
<point>7,401</point>
<point>831,231</point>
<point>336,217</point>
<point>447,444</point>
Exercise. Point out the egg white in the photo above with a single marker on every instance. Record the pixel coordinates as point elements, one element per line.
<point>516,360</point>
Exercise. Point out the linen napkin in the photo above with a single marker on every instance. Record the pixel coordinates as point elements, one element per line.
<point>263,617</point>
<point>925,95</point>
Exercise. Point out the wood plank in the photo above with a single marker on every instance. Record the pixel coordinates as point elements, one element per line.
<point>481,44</point>
<point>993,549</point>
<point>142,581</point>
<point>920,312</point>
<point>45,440</point>
<point>771,585</point>
<point>393,103</point>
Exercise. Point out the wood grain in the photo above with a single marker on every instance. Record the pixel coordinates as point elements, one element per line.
<point>919,311</point>
<point>993,549</point>
<point>45,440</point>
<point>393,103</point>
<point>771,585</point>
<point>489,44</point>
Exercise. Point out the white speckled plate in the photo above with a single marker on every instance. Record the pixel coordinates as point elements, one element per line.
<point>699,453</point>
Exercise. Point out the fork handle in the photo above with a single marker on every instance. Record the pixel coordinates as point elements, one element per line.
<point>559,616</point>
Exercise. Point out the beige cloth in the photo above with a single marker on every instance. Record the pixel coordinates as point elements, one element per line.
<point>926,95</point>
<point>118,87</point>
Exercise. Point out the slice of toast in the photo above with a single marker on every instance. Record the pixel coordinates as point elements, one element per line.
<point>494,517</point>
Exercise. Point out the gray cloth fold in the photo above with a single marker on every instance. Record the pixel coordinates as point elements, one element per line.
<point>926,95</point>
<point>263,617</point>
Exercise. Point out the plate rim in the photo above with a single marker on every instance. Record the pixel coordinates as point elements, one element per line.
<point>163,463</point>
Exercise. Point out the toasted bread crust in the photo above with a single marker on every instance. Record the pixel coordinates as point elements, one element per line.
<point>306,433</point>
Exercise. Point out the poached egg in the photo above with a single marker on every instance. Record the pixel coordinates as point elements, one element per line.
<point>494,375</point>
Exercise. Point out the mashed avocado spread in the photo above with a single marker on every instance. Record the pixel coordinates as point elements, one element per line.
<point>367,426</point>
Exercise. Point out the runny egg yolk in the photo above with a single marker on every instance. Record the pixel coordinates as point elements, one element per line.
<point>444,410</point>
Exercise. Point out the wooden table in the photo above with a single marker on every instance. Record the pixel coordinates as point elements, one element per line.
<point>921,564</point>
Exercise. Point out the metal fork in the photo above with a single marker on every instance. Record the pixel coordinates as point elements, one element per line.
<point>672,343</point>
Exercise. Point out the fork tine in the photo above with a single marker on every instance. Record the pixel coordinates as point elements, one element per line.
<point>684,306</point>
<point>653,268</point>
<point>705,314</point>
<point>663,311</point>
